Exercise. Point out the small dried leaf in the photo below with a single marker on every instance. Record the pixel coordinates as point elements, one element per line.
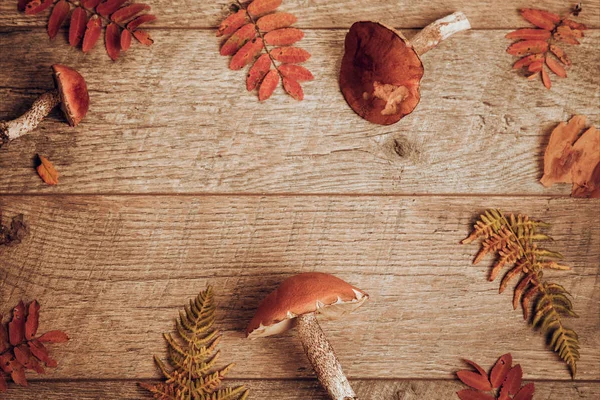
<point>574,25</point>
<point>109,6</point>
<point>142,19</point>
<point>77,26</point>
<point>503,393</point>
<point>37,6</point>
<point>474,380</point>
<point>246,54</point>
<point>468,394</point>
<point>529,34</point>
<point>526,392</point>
<point>525,47</point>
<point>92,33</point>
<point>238,39</point>
<point>268,85</point>
<point>260,7</point>
<point>143,37</point>
<point>33,317</point>
<point>284,37</point>
<point>258,72</point>
<point>90,4</point>
<point>520,288</point>
<point>560,54</point>
<point>18,376</point>
<point>58,17</point>
<point>24,356</point>
<point>540,18</point>
<point>500,370</point>
<point>16,327</point>
<point>232,23</point>
<point>125,13</point>
<point>54,337</point>
<point>296,72</point>
<point>528,60</point>
<point>555,66</point>
<point>275,21</point>
<point>476,366</point>
<point>293,88</point>
<point>112,40</point>
<point>513,379</point>
<point>47,172</point>
<point>290,55</point>
<point>125,40</point>
<point>41,353</point>
<point>535,66</point>
<point>566,35</point>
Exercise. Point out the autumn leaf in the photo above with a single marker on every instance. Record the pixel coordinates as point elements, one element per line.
<point>112,41</point>
<point>284,37</point>
<point>54,337</point>
<point>142,19</point>
<point>47,172</point>
<point>527,47</point>
<point>246,54</point>
<point>526,392</point>
<point>126,13</point>
<point>276,21</point>
<point>143,37</point>
<point>125,40</point>
<point>514,379</point>
<point>58,17</point>
<point>16,327</point>
<point>555,66</point>
<point>258,71</point>
<point>31,325</point>
<point>92,34</point>
<point>293,88</point>
<point>500,370</point>
<point>296,72</point>
<point>260,7</point>
<point>77,26</point>
<point>268,85</point>
<point>474,380</point>
<point>529,34</point>
<point>546,78</point>
<point>232,23</point>
<point>290,55</point>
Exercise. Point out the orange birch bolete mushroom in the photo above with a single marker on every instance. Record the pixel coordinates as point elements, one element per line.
<point>296,302</point>
<point>71,93</point>
<point>381,70</point>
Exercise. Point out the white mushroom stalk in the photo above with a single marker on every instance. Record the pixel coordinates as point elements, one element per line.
<point>439,30</point>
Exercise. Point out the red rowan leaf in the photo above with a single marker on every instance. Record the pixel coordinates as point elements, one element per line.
<point>539,18</point>
<point>503,393</point>
<point>142,19</point>
<point>54,337</point>
<point>18,376</point>
<point>109,6</point>
<point>529,34</point>
<point>477,367</point>
<point>284,37</point>
<point>275,21</point>
<point>258,72</point>
<point>293,88</point>
<point>41,353</point>
<point>260,7</point>
<point>566,35</point>
<point>555,66</point>
<point>7,362</point>
<point>238,39</point>
<point>112,40</point>
<point>16,327</point>
<point>90,4</point>
<point>500,370</point>
<point>27,359</point>
<point>526,392</point>
<point>33,317</point>
<point>560,54</point>
<point>525,47</point>
<point>527,60</point>
<point>125,40</point>
<point>513,379</point>
<point>474,380</point>
<point>58,17</point>
<point>127,12</point>
<point>268,85</point>
<point>37,6</point>
<point>77,26</point>
<point>290,55</point>
<point>92,33</point>
<point>143,37</point>
<point>232,23</point>
<point>546,79</point>
<point>296,72</point>
<point>468,394</point>
<point>574,25</point>
<point>246,54</point>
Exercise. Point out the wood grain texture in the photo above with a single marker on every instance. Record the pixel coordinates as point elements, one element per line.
<point>484,14</point>
<point>174,119</point>
<point>114,271</point>
<point>300,389</point>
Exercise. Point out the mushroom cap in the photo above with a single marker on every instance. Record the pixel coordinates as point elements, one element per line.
<point>380,73</point>
<point>302,294</point>
<point>74,97</point>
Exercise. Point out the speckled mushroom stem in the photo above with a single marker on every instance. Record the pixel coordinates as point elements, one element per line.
<point>10,130</point>
<point>441,29</point>
<point>323,359</point>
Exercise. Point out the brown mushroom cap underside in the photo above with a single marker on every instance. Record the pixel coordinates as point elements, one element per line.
<point>74,96</point>
<point>301,294</point>
<point>380,73</point>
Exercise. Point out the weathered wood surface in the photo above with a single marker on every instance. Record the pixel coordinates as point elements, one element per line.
<point>301,389</point>
<point>342,13</point>
<point>174,118</point>
<point>113,271</point>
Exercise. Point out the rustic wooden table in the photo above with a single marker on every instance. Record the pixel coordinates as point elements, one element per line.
<point>179,178</point>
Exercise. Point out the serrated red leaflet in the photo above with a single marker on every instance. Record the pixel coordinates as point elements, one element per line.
<point>284,37</point>
<point>275,21</point>
<point>500,370</point>
<point>57,17</point>
<point>90,4</point>
<point>260,7</point>
<point>109,6</point>
<point>142,19</point>
<point>290,55</point>
<point>469,394</point>
<point>125,40</point>
<point>555,66</point>
<point>77,26</point>
<point>525,47</point>
<point>21,7</point>
<point>514,379</point>
<point>503,394</point>
<point>27,359</point>
<point>540,18</point>
<point>37,6</point>
<point>238,39</point>
<point>546,79</point>
<point>293,88</point>
<point>574,25</point>
<point>268,85</point>
<point>526,392</point>
<point>54,337</point>
<point>18,376</point>
<point>16,327</point>
<point>474,379</point>
<point>232,23</point>
<point>258,72</point>
<point>92,33</point>
<point>127,12</point>
<point>529,34</point>
<point>560,54</point>
<point>246,54</point>
<point>41,353</point>
<point>112,40</point>
<point>476,366</point>
<point>527,60</point>
<point>143,37</point>
<point>296,72</point>
<point>565,34</point>
<point>33,317</point>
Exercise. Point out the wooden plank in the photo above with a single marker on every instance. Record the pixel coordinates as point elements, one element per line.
<point>342,13</point>
<point>113,271</point>
<point>173,118</point>
<point>300,389</point>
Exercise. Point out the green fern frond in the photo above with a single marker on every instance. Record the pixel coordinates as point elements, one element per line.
<point>192,356</point>
<point>514,241</point>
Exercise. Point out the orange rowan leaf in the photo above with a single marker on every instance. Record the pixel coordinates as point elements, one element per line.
<point>566,35</point>
<point>77,26</point>
<point>293,88</point>
<point>142,19</point>
<point>125,40</point>
<point>527,46</point>
<point>500,370</point>
<point>474,380</point>
<point>33,317</point>
<point>47,172</point>
<point>259,7</point>
<point>18,376</point>
<point>92,33</point>
<point>143,37</point>
<point>258,72</point>
<point>238,39</point>
<point>37,6</point>
<point>574,25</point>
<point>232,23</point>
<point>246,54</point>
<point>527,60</point>
<point>54,337</point>
<point>109,6</point>
<point>90,4</point>
<point>536,66</point>
<point>58,17</point>
<point>284,37</point>
<point>268,85</point>
<point>275,21</point>
<point>290,55</point>
<point>127,12</point>
<point>526,392</point>
<point>296,72</point>
<point>555,66</point>
<point>529,34</point>
<point>112,40</point>
<point>540,18</point>
<point>469,394</point>
<point>560,54</point>
<point>16,327</point>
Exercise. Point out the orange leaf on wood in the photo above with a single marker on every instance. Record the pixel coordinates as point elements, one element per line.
<point>268,85</point>
<point>574,25</point>
<point>258,72</point>
<point>521,286</point>
<point>33,317</point>
<point>54,337</point>
<point>293,88</point>
<point>290,54</point>
<point>238,39</point>
<point>232,23</point>
<point>37,6</point>
<point>109,6</point>
<point>565,34</point>
<point>125,40</point>
<point>275,21</point>
<point>142,19</point>
<point>259,7</point>
<point>47,172</point>
<point>474,380</point>
<point>58,17</point>
<point>555,66</point>
<point>526,392</point>
<point>16,327</point>
<point>92,33</point>
<point>468,394</point>
<point>284,37</point>
<point>528,60</point>
<point>500,370</point>
<point>127,12</point>
<point>529,34</point>
<point>143,37</point>
<point>296,72</point>
<point>246,54</point>
<point>77,26</point>
<point>540,18</point>
<point>535,66</point>
<point>560,54</point>
<point>527,46</point>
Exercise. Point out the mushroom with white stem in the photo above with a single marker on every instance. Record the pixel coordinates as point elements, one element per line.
<point>71,92</point>
<point>381,70</point>
<point>297,301</point>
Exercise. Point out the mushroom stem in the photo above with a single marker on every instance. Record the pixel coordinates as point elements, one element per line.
<point>10,130</point>
<point>322,357</point>
<point>439,30</point>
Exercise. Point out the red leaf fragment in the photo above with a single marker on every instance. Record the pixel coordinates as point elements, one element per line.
<point>500,370</point>
<point>7,362</point>
<point>143,37</point>
<point>540,18</point>
<point>259,7</point>
<point>41,353</point>
<point>125,13</point>
<point>296,72</point>
<point>476,366</point>
<point>284,37</point>
<point>474,380</point>
<point>109,6</point>
<point>555,66</point>
<point>535,66</point>
<point>529,34</point>
<point>27,359</point>
<point>526,392</point>
<point>232,23</point>
<point>92,33</point>
<point>238,39</point>
<point>468,394</point>
<point>246,54</point>
<point>37,6</point>
<point>565,34</point>
<point>77,26</point>
<point>16,327</point>
<point>33,317</point>
<point>90,4</point>
<point>275,21</point>
<point>574,25</point>
<point>546,79</point>
<point>290,55</point>
<point>18,376</point>
<point>560,54</point>
<point>258,72</point>
<point>527,60</point>
<point>268,85</point>
<point>527,46</point>
<point>125,40</point>
<point>513,379</point>
<point>293,88</point>
<point>112,40</point>
<point>142,19</point>
<point>54,337</point>
<point>57,17</point>
<point>4,344</point>
<point>503,393</point>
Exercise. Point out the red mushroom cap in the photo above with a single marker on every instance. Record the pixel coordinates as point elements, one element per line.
<point>302,294</point>
<point>380,73</point>
<point>74,97</point>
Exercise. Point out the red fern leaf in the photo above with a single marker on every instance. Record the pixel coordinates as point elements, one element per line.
<point>246,54</point>
<point>58,17</point>
<point>238,39</point>
<point>290,55</point>
<point>275,21</point>
<point>232,23</point>
<point>92,33</point>
<point>112,40</point>
<point>268,85</point>
<point>125,40</point>
<point>258,72</point>
<point>296,72</point>
<point>125,13</point>
<point>293,88</point>
<point>77,26</point>
<point>527,46</point>
<point>37,6</point>
<point>90,4</point>
<point>142,19</point>
<point>109,6</point>
<point>259,7</point>
<point>143,37</point>
<point>284,37</point>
